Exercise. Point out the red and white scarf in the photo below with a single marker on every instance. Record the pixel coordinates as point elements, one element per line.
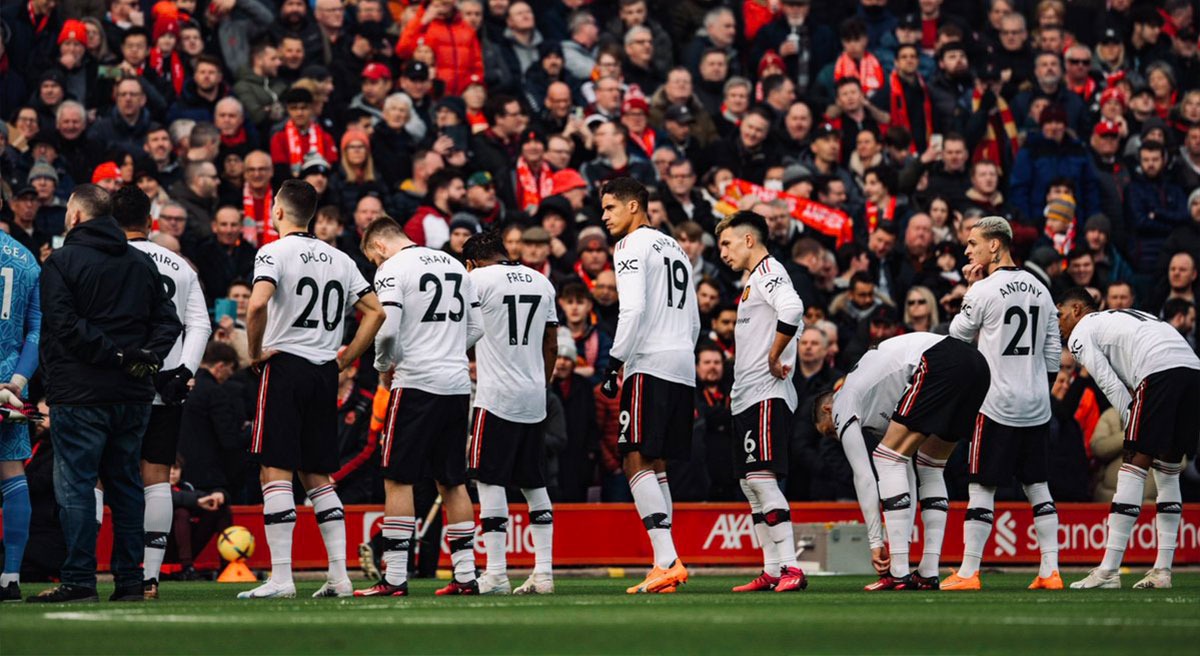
<point>176,75</point>
<point>646,140</point>
<point>898,108</point>
<point>877,215</point>
<point>532,189</point>
<point>1002,118</point>
<point>1085,90</point>
<point>258,230</point>
<point>38,26</point>
<point>868,71</point>
<point>296,151</point>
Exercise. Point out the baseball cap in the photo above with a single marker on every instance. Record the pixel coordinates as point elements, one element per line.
<point>680,114</point>
<point>1111,35</point>
<point>376,71</point>
<point>535,235</point>
<point>883,314</point>
<point>637,103</point>
<point>566,180</point>
<point>479,179</point>
<point>1107,128</point>
<point>910,22</point>
<point>826,130</point>
<point>314,163</point>
<point>106,171</point>
<point>417,71</point>
<point>25,191</point>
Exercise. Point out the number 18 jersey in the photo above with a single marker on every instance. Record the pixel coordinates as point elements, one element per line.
<point>1017,324</point>
<point>316,285</point>
<point>658,322</point>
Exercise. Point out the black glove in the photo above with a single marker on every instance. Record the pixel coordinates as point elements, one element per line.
<point>140,363</point>
<point>172,385</point>
<point>610,387</point>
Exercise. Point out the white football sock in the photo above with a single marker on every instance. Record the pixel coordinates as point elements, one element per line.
<point>397,540</point>
<point>331,519</point>
<point>770,555</point>
<point>493,518</point>
<point>981,507</point>
<point>541,523</point>
<point>99,505</point>
<point>896,496</point>
<point>652,507</point>
<point>665,488</point>
<point>1170,510</point>
<point>1126,505</point>
<point>1045,520</point>
<point>461,538</point>
<point>157,524</point>
<point>776,516</point>
<point>279,518</point>
<point>934,504</point>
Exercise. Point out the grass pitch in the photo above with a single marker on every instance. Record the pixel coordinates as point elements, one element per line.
<point>594,616</point>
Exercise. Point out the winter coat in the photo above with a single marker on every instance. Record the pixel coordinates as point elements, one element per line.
<point>257,94</point>
<point>101,298</point>
<point>1039,163</point>
<point>114,132</point>
<point>455,47</point>
<point>1153,209</point>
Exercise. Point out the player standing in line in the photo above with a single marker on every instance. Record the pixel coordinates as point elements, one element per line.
<point>1014,317</point>
<point>303,290</point>
<point>131,209</point>
<point>421,353</point>
<point>1149,372</point>
<point>763,398</point>
<point>922,393</point>
<point>657,328</point>
<point>20,330</point>
<point>514,362</point>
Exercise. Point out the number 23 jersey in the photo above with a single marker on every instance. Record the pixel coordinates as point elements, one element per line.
<point>1017,324</point>
<point>316,285</point>
<point>658,322</point>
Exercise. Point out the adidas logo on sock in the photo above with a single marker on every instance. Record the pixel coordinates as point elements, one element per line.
<point>544,516</point>
<point>940,504</point>
<point>159,542</point>
<point>1170,507</point>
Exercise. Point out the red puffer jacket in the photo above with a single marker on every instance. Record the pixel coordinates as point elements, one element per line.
<point>455,48</point>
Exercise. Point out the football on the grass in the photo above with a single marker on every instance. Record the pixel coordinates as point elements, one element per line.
<point>236,543</point>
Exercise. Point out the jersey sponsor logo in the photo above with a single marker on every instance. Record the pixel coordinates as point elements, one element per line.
<point>771,284</point>
<point>966,310</point>
<point>1006,535</point>
<point>383,284</point>
<point>265,258</point>
<point>1020,286</point>
<point>627,266</point>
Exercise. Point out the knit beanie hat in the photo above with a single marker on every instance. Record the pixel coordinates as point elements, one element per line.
<point>43,169</point>
<point>1061,209</point>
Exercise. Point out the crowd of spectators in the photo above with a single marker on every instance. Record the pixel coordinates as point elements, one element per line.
<point>871,135</point>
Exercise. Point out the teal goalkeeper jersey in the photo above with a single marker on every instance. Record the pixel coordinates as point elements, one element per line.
<point>20,309</point>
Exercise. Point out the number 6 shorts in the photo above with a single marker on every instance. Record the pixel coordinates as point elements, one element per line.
<point>761,434</point>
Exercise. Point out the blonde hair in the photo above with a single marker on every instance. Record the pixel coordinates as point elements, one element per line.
<point>930,301</point>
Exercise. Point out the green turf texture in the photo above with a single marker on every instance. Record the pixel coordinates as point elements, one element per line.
<point>594,616</point>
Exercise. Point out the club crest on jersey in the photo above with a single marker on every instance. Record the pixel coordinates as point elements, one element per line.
<point>745,294</point>
<point>265,258</point>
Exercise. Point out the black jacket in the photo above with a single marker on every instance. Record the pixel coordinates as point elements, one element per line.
<point>211,439</point>
<point>101,298</point>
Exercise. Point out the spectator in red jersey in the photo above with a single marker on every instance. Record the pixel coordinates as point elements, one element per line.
<point>455,45</point>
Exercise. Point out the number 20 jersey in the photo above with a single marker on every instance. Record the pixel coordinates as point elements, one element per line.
<point>517,303</point>
<point>1017,323</point>
<point>435,297</point>
<point>316,285</point>
<point>658,322</point>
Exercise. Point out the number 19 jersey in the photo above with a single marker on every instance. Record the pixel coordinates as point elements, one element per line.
<point>435,299</point>
<point>316,285</point>
<point>517,304</point>
<point>658,322</point>
<point>1017,324</point>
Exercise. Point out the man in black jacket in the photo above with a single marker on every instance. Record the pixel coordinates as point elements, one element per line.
<point>107,325</point>
<point>211,436</point>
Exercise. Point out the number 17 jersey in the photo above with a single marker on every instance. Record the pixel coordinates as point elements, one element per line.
<point>316,285</point>
<point>1017,324</point>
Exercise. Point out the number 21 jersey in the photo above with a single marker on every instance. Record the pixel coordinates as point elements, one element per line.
<point>316,285</point>
<point>1017,324</point>
<point>658,322</point>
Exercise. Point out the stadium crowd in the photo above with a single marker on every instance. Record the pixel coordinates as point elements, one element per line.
<point>871,135</point>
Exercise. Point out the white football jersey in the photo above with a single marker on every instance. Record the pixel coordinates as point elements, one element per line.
<point>874,386</point>
<point>183,288</point>
<point>658,323</point>
<point>1016,321</point>
<point>1120,348</point>
<point>768,300</point>
<point>316,286</point>
<point>517,304</point>
<point>432,319</point>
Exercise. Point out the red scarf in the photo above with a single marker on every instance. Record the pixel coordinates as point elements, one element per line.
<point>868,71</point>
<point>1063,243</point>
<point>583,275</point>
<point>38,26</point>
<point>646,140</point>
<point>989,147</point>
<point>1085,90</point>
<point>898,108</point>
<point>296,151</point>
<point>156,62</point>
<point>256,227</point>
<point>532,189</point>
<point>876,214</point>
